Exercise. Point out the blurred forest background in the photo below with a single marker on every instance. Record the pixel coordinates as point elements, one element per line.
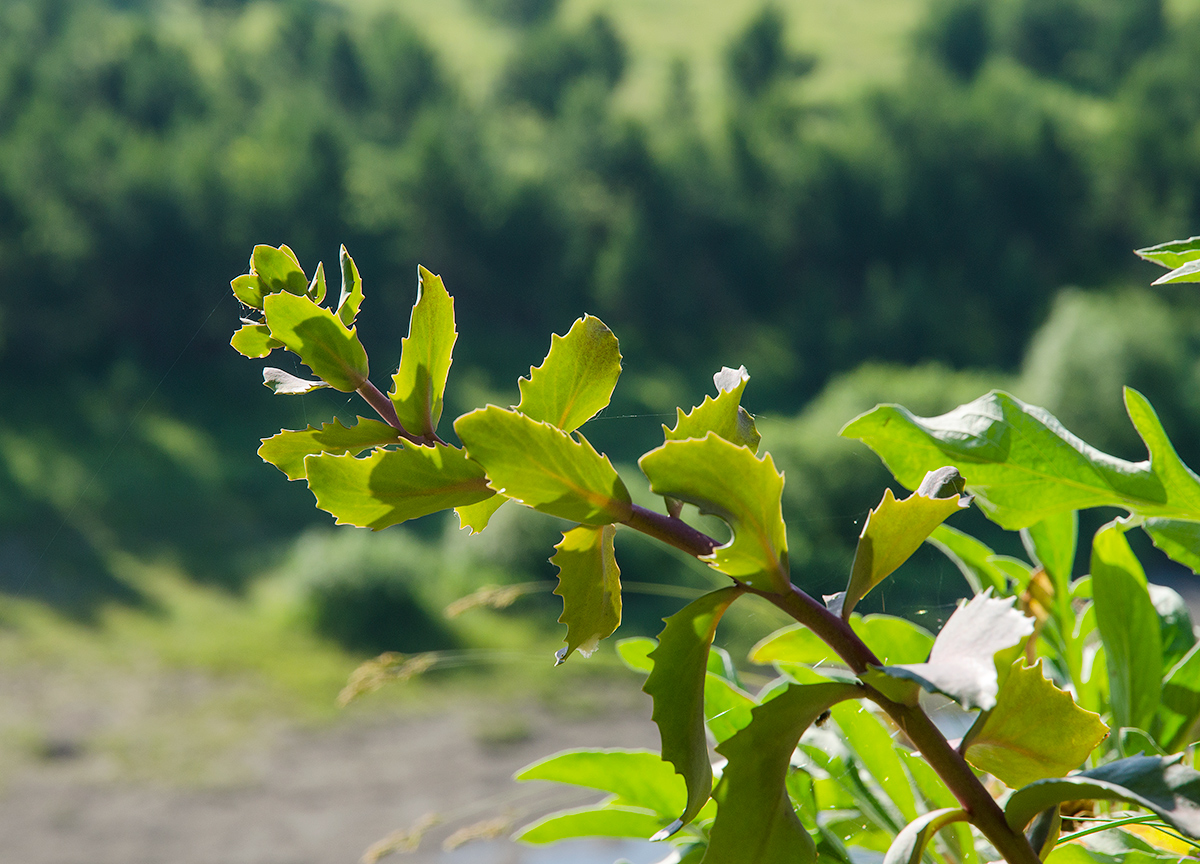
<point>862,201</point>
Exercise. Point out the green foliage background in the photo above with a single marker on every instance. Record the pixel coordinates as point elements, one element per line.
<point>881,207</point>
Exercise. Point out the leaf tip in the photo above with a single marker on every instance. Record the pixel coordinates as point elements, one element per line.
<point>667,832</point>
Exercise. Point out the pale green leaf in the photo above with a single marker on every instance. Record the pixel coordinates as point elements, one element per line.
<point>676,684</point>
<point>755,821</point>
<point>277,270</point>
<point>1051,544</point>
<point>476,517</point>
<point>635,653</point>
<point>317,287</point>
<point>893,532</point>
<point>1161,785</point>
<point>1179,540</point>
<point>723,415</point>
<point>319,339</point>
<point>286,384</point>
<point>1179,713</point>
<point>873,746</point>
<point>910,843</point>
<point>639,778</point>
<point>577,378</point>
<point>1024,466</point>
<point>543,467</point>
<point>351,297</point>
<point>248,290</point>
<point>286,451</point>
<point>419,385</point>
<point>1129,628</point>
<point>1011,741</point>
<point>391,486</point>
<point>891,639</point>
<point>589,581</point>
<point>605,821</point>
<point>1188,272</point>
<point>729,481</point>
<point>726,707</point>
<point>975,560</point>
<point>1172,254</point>
<point>254,340</point>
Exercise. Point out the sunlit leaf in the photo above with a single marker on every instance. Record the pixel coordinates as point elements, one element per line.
<point>1051,544</point>
<point>1164,786</point>
<point>1188,272</point>
<point>1172,254</point>
<point>477,516</point>
<point>543,467</point>
<point>639,778</point>
<point>729,481</point>
<point>317,287</point>
<point>604,821</point>
<point>1011,741</point>
<point>1178,539</point>
<point>351,298</point>
<point>254,340</point>
<point>635,652</point>
<point>873,746</point>
<point>1176,631</point>
<point>1180,710</point>
<point>910,843</point>
<point>589,582</point>
<point>962,662</point>
<point>391,486</point>
<point>1129,627</point>
<point>1023,466</point>
<point>577,378</point>
<point>891,639</point>
<point>286,451</point>
<point>248,290</point>
<point>937,795</point>
<point>419,385</point>
<point>893,532</point>
<point>975,560</point>
<point>676,684</point>
<point>723,415</point>
<point>726,707</point>
<point>277,270</point>
<point>286,384</point>
<point>319,339</point>
<point>755,821</point>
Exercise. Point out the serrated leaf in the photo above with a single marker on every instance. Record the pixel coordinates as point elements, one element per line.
<point>873,746</point>
<point>1011,741</point>
<point>891,639</point>
<point>729,481</point>
<point>1180,709</point>
<point>254,341</point>
<point>910,843</point>
<point>319,339</point>
<point>1129,628</point>
<point>723,415</point>
<point>589,581</point>
<point>543,467</point>
<point>286,384</point>
<point>1024,466</point>
<point>974,559</point>
<point>392,486</point>
<point>1188,272</point>
<point>351,298</point>
<point>577,378</point>
<point>962,662</point>
<point>477,516</point>
<point>755,821</point>
<point>893,532</point>
<point>1161,785</point>
<point>1178,540</point>
<point>676,684</point>
<point>1172,254</point>
<point>603,821</point>
<point>419,385</point>
<point>639,778</point>
<point>286,451</point>
<point>277,270</point>
<point>248,290</point>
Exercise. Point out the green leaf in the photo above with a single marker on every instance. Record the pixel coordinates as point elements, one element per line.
<point>589,581</point>
<point>352,294</point>
<point>676,684</point>
<point>910,843</point>
<point>1129,628</point>
<point>286,384</point>
<point>1163,786</point>
<point>1024,466</point>
<point>392,486</point>
<point>1179,540</point>
<point>962,662</point>
<point>726,707</point>
<point>893,532</point>
<point>1051,544</point>
<point>254,340</point>
<point>1011,741</point>
<point>891,639</point>
<point>477,516</point>
<point>755,821</point>
<point>604,821</point>
<point>639,778</point>
<point>544,467</point>
<point>1180,709</point>
<point>577,378</point>
<point>277,270</point>
<point>729,481</point>
<point>248,290</point>
<point>635,653</point>
<point>317,287</point>
<point>1189,272</point>
<point>724,415</point>
<point>1172,254</point>
<point>319,339</point>
<point>1176,631</point>
<point>1120,852</point>
<point>873,745</point>
<point>975,560</point>
<point>937,795</point>
<point>420,383</point>
<point>286,451</point>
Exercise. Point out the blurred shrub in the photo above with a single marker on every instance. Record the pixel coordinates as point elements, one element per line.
<point>520,12</point>
<point>959,34</point>
<point>551,59</point>
<point>759,56</point>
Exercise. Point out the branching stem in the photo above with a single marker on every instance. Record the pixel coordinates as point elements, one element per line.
<point>387,411</point>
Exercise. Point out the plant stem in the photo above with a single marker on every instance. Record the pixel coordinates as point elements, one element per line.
<point>984,812</point>
<point>387,411</point>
